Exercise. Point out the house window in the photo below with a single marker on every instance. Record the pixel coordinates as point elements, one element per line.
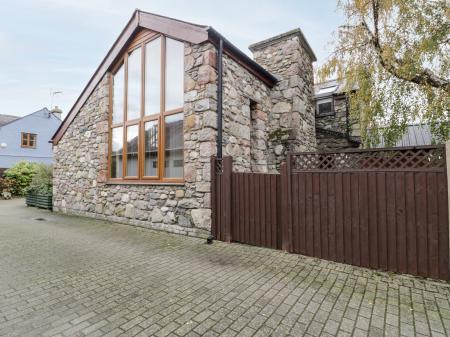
<point>29,140</point>
<point>325,106</point>
<point>146,138</point>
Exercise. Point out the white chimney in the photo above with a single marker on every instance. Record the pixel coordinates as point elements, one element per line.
<point>57,112</point>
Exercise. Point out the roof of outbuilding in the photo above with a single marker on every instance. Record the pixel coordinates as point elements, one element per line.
<point>415,135</point>
<point>182,30</point>
<point>329,88</point>
<point>6,119</point>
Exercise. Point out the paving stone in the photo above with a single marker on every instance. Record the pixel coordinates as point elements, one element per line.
<point>71,277</point>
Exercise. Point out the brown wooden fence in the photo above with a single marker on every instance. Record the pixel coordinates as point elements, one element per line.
<point>383,209</point>
<point>246,206</point>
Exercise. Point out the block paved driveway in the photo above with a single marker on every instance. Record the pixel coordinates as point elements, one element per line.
<point>69,276</point>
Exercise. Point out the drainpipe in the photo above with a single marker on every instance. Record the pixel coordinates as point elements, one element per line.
<point>219,99</point>
<point>219,140</point>
<point>347,117</point>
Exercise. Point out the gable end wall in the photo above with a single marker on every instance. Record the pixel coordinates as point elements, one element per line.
<point>81,164</point>
<point>252,112</point>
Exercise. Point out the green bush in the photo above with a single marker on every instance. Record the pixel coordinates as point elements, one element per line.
<point>21,173</point>
<point>42,181</point>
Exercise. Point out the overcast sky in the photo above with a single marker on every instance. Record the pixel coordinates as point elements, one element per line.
<point>56,45</point>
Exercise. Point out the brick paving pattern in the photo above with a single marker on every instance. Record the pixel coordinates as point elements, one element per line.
<point>68,276</point>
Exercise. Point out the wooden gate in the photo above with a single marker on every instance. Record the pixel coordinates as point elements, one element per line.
<point>384,209</point>
<point>246,206</point>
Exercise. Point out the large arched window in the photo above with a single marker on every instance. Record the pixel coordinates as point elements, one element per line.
<point>146,122</point>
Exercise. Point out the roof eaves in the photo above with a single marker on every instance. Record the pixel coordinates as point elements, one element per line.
<point>183,30</point>
<point>170,18</point>
<point>239,56</point>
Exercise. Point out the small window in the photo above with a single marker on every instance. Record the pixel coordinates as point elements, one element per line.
<point>174,74</point>
<point>325,106</point>
<point>153,77</point>
<point>173,166</point>
<point>118,95</point>
<point>117,152</point>
<point>29,140</point>
<point>134,82</point>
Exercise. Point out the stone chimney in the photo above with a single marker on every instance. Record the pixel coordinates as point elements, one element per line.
<point>289,58</point>
<point>57,112</point>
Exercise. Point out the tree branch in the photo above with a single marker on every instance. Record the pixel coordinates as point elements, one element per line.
<point>423,77</point>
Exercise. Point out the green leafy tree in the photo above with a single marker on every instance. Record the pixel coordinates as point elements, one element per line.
<point>22,173</point>
<point>395,53</point>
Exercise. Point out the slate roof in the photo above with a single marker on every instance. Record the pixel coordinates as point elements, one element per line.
<point>6,119</point>
<point>415,135</point>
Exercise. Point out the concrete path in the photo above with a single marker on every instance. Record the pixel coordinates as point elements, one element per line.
<point>69,276</point>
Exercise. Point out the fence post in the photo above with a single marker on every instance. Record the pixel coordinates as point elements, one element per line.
<point>227,165</point>
<point>447,165</point>
<point>214,197</point>
<point>286,205</point>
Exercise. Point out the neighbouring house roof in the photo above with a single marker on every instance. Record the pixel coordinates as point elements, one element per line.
<point>6,119</point>
<point>182,30</point>
<point>415,135</point>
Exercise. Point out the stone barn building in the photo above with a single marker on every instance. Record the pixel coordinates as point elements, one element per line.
<point>136,147</point>
<point>335,128</point>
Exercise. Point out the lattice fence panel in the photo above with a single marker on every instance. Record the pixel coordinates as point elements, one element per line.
<point>385,159</point>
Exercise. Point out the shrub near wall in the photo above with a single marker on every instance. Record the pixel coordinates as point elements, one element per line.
<point>39,192</point>
<point>22,173</point>
<point>8,188</point>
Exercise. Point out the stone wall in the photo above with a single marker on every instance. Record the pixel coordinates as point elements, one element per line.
<point>260,124</point>
<point>333,130</point>
<point>246,105</point>
<point>338,120</point>
<point>292,125</point>
<point>80,170</point>
<point>328,140</point>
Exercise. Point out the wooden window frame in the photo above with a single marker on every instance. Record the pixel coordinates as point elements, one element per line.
<point>141,179</point>
<point>331,113</point>
<point>27,136</point>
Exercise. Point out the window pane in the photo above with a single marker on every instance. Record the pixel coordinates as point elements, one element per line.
<point>174,74</point>
<point>118,93</point>
<point>132,150</point>
<point>173,165</point>
<point>151,149</point>
<point>153,77</point>
<point>325,106</point>
<point>116,152</point>
<point>134,85</point>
